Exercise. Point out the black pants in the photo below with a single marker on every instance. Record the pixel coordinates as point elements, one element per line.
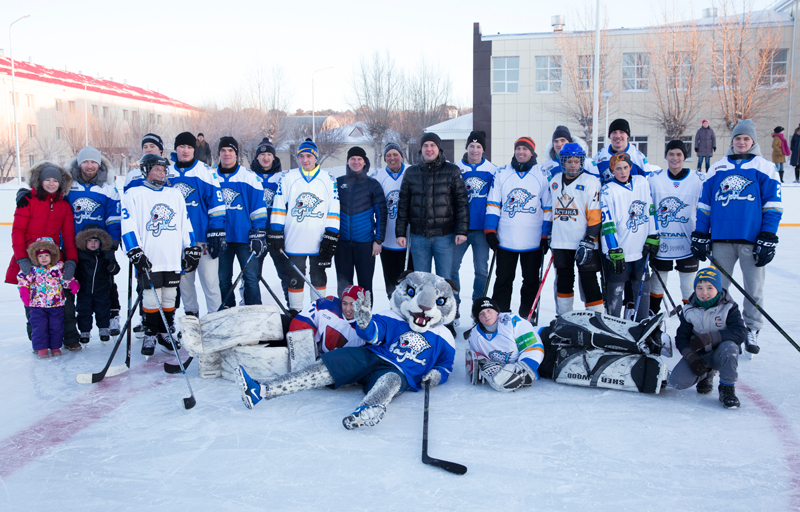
<point>564,261</point>
<point>394,263</point>
<point>93,303</point>
<point>354,256</point>
<point>531,262</point>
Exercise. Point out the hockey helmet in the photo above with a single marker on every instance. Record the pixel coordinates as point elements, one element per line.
<point>569,150</point>
<point>149,161</point>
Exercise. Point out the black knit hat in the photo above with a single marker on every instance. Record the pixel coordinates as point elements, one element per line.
<point>356,151</point>
<point>265,146</point>
<point>430,137</point>
<point>482,303</point>
<point>478,136</point>
<point>185,139</point>
<point>155,139</point>
<point>778,129</point>
<point>675,144</point>
<point>228,142</point>
<point>562,131</point>
<point>619,124</point>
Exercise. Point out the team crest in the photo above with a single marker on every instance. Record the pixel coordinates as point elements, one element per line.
<point>731,188</point>
<point>391,202</point>
<point>230,195</point>
<point>668,210</point>
<point>269,195</point>
<point>83,208</point>
<point>636,216</point>
<point>304,206</point>
<point>186,190</point>
<point>409,345</point>
<point>516,201</point>
<point>475,186</point>
<point>500,357</point>
<point>160,218</point>
<point>565,211</point>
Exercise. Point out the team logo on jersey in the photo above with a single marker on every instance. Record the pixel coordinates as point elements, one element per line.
<point>269,195</point>
<point>475,186</point>
<point>83,208</point>
<point>731,188</point>
<point>516,200</point>
<point>409,345</point>
<point>160,218</point>
<point>565,211</point>
<point>230,195</point>
<point>668,210</point>
<point>391,202</point>
<point>304,206</point>
<point>636,216</point>
<point>186,190</point>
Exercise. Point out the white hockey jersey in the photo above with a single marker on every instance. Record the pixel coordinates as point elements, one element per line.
<point>390,183</point>
<point>675,202</point>
<point>331,329</point>
<point>519,208</point>
<point>156,221</point>
<point>575,207</point>
<point>303,208</point>
<point>628,216</point>
<point>515,340</point>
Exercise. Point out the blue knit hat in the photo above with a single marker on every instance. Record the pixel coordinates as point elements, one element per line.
<point>710,274</point>
<point>308,146</point>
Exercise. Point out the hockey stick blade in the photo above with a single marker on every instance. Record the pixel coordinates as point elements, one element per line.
<point>174,368</point>
<point>190,402</point>
<point>450,467</point>
<point>94,378</point>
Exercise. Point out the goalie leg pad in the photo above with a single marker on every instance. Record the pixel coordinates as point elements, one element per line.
<point>472,367</point>
<point>612,370</point>
<point>302,349</point>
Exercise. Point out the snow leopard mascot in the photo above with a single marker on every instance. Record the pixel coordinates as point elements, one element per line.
<point>405,346</point>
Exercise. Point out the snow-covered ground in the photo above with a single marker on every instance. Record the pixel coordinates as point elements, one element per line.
<point>128,444</point>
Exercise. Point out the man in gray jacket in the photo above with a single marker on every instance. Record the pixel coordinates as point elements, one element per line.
<point>705,143</point>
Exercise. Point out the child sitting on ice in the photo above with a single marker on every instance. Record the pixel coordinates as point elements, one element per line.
<point>97,267</point>
<point>709,339</point>
<point>42,291</point>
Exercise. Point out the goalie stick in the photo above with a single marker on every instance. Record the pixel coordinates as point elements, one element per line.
<point>451,467</point>
<point>485,293</point>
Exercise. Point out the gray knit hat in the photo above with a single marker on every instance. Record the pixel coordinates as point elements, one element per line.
<point>390,146</point>
<point>50,172</point>
<point>745,127</point>
<point>89,153</point>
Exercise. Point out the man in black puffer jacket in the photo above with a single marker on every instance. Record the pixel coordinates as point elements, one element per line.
<point>433,201</point>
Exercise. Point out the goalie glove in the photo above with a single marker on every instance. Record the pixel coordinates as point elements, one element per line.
<point>507,378</point>
<point>191,258</point>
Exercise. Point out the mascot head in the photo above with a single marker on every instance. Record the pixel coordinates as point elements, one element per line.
<point>424,300</point>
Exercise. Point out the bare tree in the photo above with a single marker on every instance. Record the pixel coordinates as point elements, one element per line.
<point>267,91</point>
<point>375,97</point>
<point>73,125</point>
<point>50,147</point>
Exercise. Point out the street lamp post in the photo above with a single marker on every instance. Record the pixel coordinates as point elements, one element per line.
<point>14,96</point>
<point>313,117</point>
<point>607,95</point>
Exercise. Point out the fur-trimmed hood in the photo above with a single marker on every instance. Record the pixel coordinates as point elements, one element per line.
<point>46,244</point>
<point>36,171</point>
<point>93,231</point>
<point>104,175</point>
<point>549,151</point>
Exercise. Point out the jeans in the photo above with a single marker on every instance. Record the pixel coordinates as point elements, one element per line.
<point>724,358</point>
<point>700,162</point>
<point>252,292</point>
<point>436,248</point>
<point>480,259</point>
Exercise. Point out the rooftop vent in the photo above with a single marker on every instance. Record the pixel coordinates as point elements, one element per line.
<point>558,22</point>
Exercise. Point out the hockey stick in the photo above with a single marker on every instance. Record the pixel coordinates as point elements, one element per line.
<point>238,278</point>
<point>190,402</point>
<point>675,309</point>
<point>541,283</point>
<point>274,297</point>
<point>130,313</point>
<point>408,251</point>
<point>92,378</point>
<point>301,274</point>
<point>451,467</point>
<point>753,302</point>
<point>485,291</point>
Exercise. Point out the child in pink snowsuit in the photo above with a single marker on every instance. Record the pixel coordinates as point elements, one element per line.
<point>42,290</point>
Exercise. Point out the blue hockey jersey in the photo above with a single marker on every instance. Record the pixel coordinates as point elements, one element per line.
<point>244,204</point>
<point>478,178</point>
<point>603,158</point>
<point>200,189</point>
<point>97,203</point>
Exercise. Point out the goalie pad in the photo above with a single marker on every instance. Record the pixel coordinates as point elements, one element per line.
<point>505,378</point>
<point>302,349</point>
<point>642,373</point>
<point>472,367</point>
<point>593,330</point>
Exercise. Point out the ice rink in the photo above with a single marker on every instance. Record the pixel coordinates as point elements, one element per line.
<point>128,444</point>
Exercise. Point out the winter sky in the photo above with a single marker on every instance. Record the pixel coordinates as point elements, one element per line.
<point>202,51</point>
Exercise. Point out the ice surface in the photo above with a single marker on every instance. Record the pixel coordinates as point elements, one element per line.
<point>128,444</point>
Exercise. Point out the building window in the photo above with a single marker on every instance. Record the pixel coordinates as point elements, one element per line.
<point>687,140</point>
<point>59,133</point>
<point>72,106</point>
<point>635,71</point>
<point>159,119</point>
<point>31,160</point>
<point>640,143</point>
<point>11,94</point>
<point>505,75</point>
<point>95,110</point>
<point>58,105</point>
<point>586,70</point>
<point>124,115</point>
<point>152,118</point>
<point>134,116</point>
<point>105,112</point>
<point>680,70</point>
<point>72,134</point>
<point>775,67</point>
<point>31,131</point>
<point>548,74</point>
<point>29,100</point>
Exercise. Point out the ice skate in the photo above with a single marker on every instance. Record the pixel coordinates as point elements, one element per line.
<point>149,344</point>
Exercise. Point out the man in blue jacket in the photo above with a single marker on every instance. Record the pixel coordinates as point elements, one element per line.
<point>362,225</point>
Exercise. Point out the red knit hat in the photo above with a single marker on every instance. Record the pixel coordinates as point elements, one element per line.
<point>352,292</point>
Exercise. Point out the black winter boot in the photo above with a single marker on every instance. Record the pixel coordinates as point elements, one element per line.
<point>706,385</point>
<point>727,395</point>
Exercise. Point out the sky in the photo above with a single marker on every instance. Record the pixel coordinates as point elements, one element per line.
<point>205,53</point>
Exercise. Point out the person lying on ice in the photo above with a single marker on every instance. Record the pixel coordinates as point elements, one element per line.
<point>406,346</point>
<point>329,321</point>
<point>504,349</point>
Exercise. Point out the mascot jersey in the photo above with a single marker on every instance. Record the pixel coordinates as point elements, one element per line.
<point>156,221</point>
<point>200,189</point>
<point>95,204</point>
<point>478,178</point>
<point>413,353</point>
<point>628,216</point>
<point>304,208</point>
<point>576,206</point>
<point>390,183</point>
<point>331,329</point>
<point>675,201</point>
<point>244,204</point>
<point>740,199</point>
<point>519,208</point>
<point>603,158</point>
<point>515,340</point>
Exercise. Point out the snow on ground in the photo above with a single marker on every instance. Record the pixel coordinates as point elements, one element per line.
<point>128,444</point>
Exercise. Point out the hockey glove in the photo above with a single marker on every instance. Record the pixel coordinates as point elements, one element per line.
<point>216,243</point>
<point>764,250</point>
<point>491,239</point>
<point>585,251</point>
<point>139,260</point>
<point>24,265</point>
<point>433,378</point>
<point>275,239</point>
<point>23,197</point>
<point>651,245</point>
<point>69,270</point>
<point>328,245</point>
<point>363,310</point>
<point>258,241</point>
<point>697,365</point>
<point>702,342</point>
<point>191,258</point>
<point>617,259</point>
<point>545,245</point>
<point>701,245</point>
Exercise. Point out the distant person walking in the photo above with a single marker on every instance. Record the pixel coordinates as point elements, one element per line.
<point>203,150</point>
<point>794,148</point>
<point>780,150</point>
<point>705,143</point>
